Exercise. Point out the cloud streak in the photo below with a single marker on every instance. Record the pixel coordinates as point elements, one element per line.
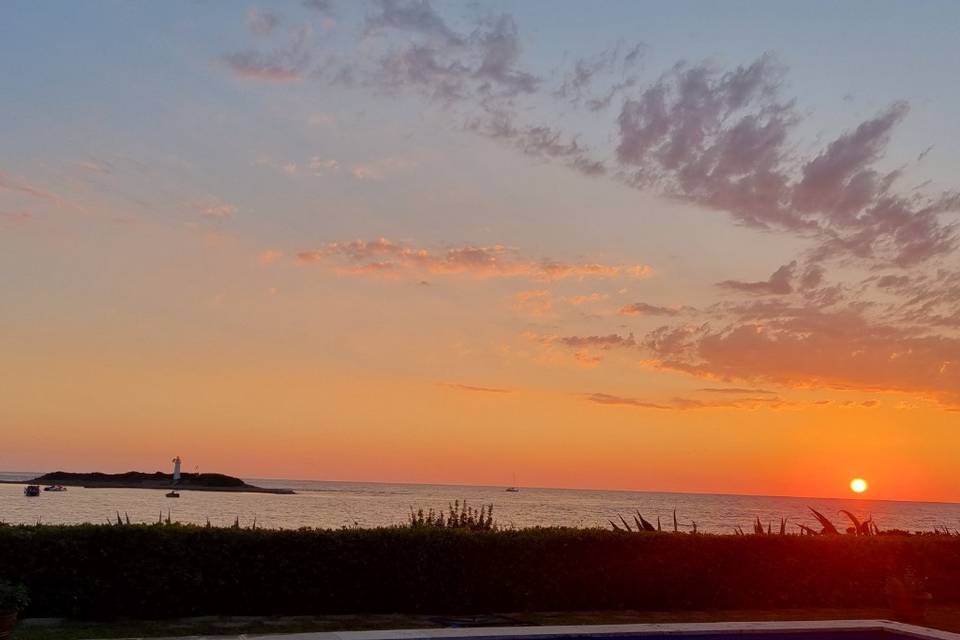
<point>13,184</point>
<point>687,404</point>
<point>645,309</point>
<point>393,259</point>
<point>281,64</point>
<point>472,388</point>
<point>780,283</point>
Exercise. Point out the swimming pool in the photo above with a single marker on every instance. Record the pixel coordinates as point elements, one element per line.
<point>801,630</point>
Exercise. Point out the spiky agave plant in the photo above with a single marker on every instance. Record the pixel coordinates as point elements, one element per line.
<point>644,523</point>
<point>864,528</point>
<point>640,524</point>
<point>828,527</point>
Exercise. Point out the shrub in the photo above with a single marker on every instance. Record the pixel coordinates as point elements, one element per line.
<point>151,571</point>
<point>13,596</point>
<point>457,517</point>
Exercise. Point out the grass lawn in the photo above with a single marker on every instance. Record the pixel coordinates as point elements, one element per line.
<point>942,617</point>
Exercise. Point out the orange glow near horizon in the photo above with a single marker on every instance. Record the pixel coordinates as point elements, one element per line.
<point>858,485</point>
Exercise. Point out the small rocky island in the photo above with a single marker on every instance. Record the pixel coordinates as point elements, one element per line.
<point>157,480</point>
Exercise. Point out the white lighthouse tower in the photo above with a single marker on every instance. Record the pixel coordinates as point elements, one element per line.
<point>176,470</point>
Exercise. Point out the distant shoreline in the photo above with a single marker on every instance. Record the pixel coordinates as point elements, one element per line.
<point>156,481</point>
<point>167,487</point>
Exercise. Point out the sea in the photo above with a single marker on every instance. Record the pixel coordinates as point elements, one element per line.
<point>334,505</point>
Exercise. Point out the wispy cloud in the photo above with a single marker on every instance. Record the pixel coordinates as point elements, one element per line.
<point>325,7</point>
<point>585,298</point>
<point>285,63</point>
<point>262,22</point>
<point>781,282</point>
<point>606,398</point>
<point>598,342</point>
<point>217,210</point>
<point>378,169</point>
<point>269,256</point>
<point>416,16</point>
<point>14,218</point>
<point>467,387</point>
<point>386,257</point>
<point>687,404</point>
<point>21,186</point>
<point>737,391</point>
<point>535,303</point>
<point>645,309</point>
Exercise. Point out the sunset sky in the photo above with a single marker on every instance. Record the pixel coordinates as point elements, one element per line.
<point>680,246</point>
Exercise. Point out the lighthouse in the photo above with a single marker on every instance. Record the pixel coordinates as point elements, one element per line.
<point>176,469</point>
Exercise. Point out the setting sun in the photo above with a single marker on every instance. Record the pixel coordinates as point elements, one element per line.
<point>858,485</point>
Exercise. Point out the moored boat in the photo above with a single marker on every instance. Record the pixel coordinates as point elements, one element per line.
<point>55,487</point>
<point>31,491</point>
<point>514,487</point>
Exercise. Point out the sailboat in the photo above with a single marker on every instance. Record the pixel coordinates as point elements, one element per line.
<point>513,488</point>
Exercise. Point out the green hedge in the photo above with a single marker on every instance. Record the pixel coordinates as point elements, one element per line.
<point>162,571</point>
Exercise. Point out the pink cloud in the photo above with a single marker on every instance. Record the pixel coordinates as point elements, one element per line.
<point>806,346</point>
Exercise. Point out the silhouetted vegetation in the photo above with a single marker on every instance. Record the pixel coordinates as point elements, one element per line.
<point>456,517</point>
<point>165,570</point>
<point>827,528</point>
<point>13,596</point>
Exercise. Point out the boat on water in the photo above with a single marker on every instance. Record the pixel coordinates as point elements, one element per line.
<point>173,494</point>
<point>55,487</point>
<point>513,488</point>
<point>31,491</point>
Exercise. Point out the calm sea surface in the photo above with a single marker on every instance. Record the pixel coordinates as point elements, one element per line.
<point>339,504</point>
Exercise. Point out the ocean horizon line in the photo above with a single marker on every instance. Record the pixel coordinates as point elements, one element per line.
<point>717,494</point>
<point>605,490</point>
